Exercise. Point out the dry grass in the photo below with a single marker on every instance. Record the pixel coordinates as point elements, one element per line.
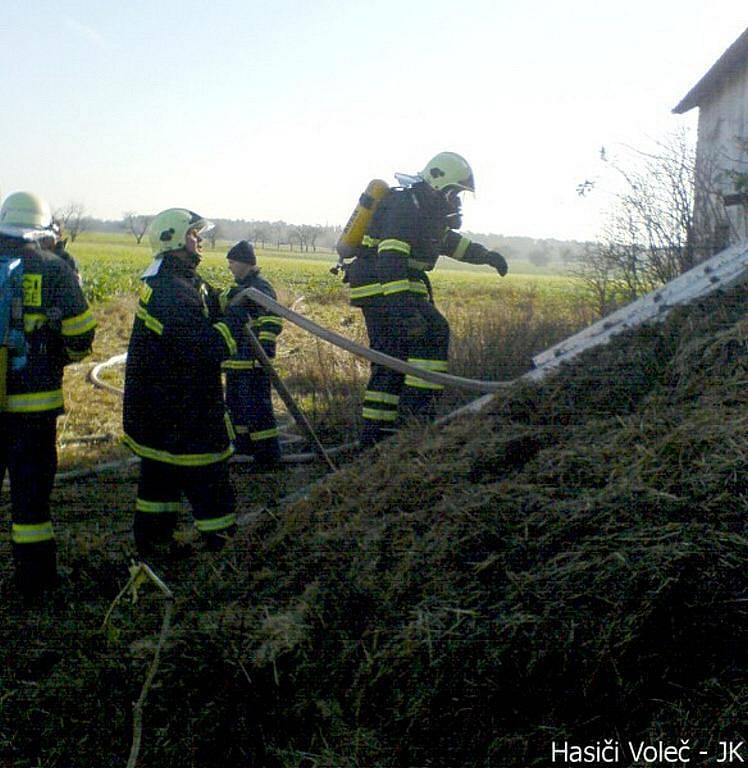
<point>570,566</point>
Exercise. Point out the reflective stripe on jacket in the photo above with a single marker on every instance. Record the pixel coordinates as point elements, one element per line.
<point>173,406</point>
<point>407,234</point>
<point>58,326</point>
<point>266,325</point>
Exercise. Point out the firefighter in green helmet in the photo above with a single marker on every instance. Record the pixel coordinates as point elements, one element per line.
<point>54,327</point>
<point>411,227</point>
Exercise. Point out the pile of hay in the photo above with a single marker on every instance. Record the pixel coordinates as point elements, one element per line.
<point>570,567</point>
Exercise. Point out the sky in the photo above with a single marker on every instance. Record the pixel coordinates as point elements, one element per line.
<point>286,109</point>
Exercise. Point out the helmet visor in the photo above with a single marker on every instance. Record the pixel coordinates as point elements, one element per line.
<point>201,227</point>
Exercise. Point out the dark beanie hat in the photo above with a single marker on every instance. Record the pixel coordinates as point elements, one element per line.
<point>242,251</point>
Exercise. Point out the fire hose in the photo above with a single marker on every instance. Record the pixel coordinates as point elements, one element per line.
<point>473,385</point>
<point>331,337</point>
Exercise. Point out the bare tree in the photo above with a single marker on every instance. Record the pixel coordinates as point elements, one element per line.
<point>311,233</point>
<point>596,272</point>
<point>649,236</point>
<point>73,219</point>
<point>296,234</point>
<point>259,234</point>
<point>136,224</point>
<point>213,234</point>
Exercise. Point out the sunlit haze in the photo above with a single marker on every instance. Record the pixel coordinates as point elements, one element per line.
<point>285,110</point>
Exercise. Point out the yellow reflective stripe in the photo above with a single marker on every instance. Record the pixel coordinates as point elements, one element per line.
<point>375,414</point>
<point>264,434</point>
<point>239,365</point>
<point>363,291</point>
<point>31,402</point>
<point>179,459</point>
<point>150,321</point>
<point>416,286</point>
<point>462,246</point>
<point>223,298</point>
<point>267,336</point>
<point>213,524</point>
<point>32,322</point>
<point>75,326</point>
<point>145,292</point>
<point>142,505</point>
<point>229,425</point>
<point>369,242</point>
<point>381,397</point>
<point>223,329</point>
<point>412,381</point>
<point>75,354</point>
<point>391,244</point>
<point>240,429</point>
<point>416,264</point>
<point>31,534</point>
<point>269,320</point>
<point>429,365</point>
<point>396,286</point>
<point>440,366</point>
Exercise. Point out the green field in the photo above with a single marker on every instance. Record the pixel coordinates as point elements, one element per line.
<point>111,264</point>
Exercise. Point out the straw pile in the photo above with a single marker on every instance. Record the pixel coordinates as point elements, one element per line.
<point>568,567</point>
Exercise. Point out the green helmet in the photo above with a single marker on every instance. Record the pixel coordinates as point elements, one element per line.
<point>24,214</point>
<point>448,170</point>
<point>168,230</point>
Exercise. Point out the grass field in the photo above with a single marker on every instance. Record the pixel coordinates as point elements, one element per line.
<point>497,324</point>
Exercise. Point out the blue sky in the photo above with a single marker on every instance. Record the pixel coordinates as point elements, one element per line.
<point>285,110</point>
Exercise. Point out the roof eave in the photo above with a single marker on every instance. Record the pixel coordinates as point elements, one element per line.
<point>733,56</point>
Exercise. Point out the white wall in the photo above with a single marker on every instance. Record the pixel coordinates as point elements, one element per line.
<point>723,122</point>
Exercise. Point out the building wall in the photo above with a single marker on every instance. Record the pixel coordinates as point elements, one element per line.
<point>722,153</point>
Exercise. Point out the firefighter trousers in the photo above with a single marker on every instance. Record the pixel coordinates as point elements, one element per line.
<point>160,488</point>
<point>29,455</point>
<point>419,335</point>
<point>249,400</point>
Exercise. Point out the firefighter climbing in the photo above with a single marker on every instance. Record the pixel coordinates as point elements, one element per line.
<point>410,228</point>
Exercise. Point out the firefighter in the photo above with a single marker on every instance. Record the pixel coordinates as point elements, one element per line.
<point>248,390</point>
<point>410,229</point>
<point>58,329</point>
<point>174,416</point>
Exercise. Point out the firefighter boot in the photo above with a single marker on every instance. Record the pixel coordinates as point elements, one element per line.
<point>216,541</point>
<point>153,533</point>
<point>35,568</point>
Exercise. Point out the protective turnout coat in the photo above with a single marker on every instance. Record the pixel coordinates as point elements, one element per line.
<point>410,229</point>
<point>173,405</point>
<point>266,325</point>
<point>58,326</point>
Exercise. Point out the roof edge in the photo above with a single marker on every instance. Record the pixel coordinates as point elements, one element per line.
<point>724,64</point>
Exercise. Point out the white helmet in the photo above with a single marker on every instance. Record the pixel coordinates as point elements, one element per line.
<point>168,230</point>
<point>26,215</point>
<point>448,170</point>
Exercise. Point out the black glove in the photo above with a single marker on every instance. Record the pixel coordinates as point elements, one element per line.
<point>497,261</point>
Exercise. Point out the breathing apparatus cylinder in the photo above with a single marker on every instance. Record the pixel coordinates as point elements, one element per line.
<point>12,337</point>
<point>353,231</point>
